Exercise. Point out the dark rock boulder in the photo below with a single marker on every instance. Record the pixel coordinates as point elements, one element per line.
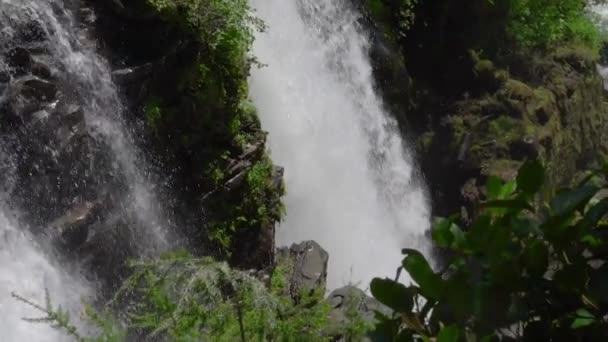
<point>306,263</point>
<point>65,182</point>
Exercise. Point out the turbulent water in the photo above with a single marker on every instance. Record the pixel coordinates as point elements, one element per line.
<point>350,181</point>
<point>27,262</point>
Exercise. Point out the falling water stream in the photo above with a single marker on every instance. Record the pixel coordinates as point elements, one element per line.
<point>351,182</point>
<point>28,264</point>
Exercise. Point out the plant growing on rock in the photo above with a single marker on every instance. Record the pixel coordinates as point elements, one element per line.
<point>178,297</point>
<point>525,269</point>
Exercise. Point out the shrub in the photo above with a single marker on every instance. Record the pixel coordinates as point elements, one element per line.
<point>178,297</point>
<point>540,22</point>
<point>523,270</point>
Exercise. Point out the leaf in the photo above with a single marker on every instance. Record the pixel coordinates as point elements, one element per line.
<point>524,226</point>
<point>431,284</point>
<point>596,212</point>
<point>392,294</point>
<point>449,334</point>
<point>516,204</point>
<point>442,234</point>
<point>493,187</point>
<point>598,284</point>
<point>536,256</point>
<point>508,189</point>
<point>530,177</point>
<point>565,203</point>
<point>385,330</point>
<point>583,319</point>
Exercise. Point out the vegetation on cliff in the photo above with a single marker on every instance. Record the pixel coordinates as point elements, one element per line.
<point>197,110</point>
<point>492,84</point>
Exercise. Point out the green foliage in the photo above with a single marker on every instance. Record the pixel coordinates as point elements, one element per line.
<point>258,205</point>
<point>107,329</point>
<point>152,111</point>
<point>524,269</point>
<point>178,297</point>
<point>396,17</point>
<point>540,22</point>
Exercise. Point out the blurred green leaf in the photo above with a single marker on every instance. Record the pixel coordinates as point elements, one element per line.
<point>442,234</point>
<point>431,284</point>
<point>493,187</point>
<point>583,319</point>
<point>515,204</point>
<point>392,294</point>
<point>565,203</point>
<point>449,334</point>
<point>596,212</point>
<point>536,256</point>
<point>530,177</point>
<point>508,189</point>
<point>598,284</point>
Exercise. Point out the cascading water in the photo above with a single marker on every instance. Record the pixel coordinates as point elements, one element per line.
<point>66,158</point>
<point>350,181</point>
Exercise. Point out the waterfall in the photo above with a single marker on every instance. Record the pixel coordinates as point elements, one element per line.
<point>350,181</point>
<point>27,270</point>
<point>66,156</point>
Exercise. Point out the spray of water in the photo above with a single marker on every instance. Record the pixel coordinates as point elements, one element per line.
<point>27,266</point>
<point>350,181</point>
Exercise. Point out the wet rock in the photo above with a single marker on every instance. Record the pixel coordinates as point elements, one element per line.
<point>41,70</point>
<point>236,181</point>
<point>524,148</point>
<point>27,96</point>
<point>307,262</point>
<point>39,90</point>
<point>32,31</point>
<point>72,228</point>
<point>133,75</point>
<point>278,172</point>
<point>349,304</point>
<point>19,60</point>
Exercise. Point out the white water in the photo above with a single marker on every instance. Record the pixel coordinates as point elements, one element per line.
<point>350,182</point>
<point>25,266</point>
<point>27,271</point>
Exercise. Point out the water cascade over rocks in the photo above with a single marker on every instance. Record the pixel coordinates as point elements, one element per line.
<point>351,184</point>
<point>72,176</point>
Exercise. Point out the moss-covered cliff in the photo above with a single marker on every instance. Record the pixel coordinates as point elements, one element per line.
<point>188,63</point>
<point>490,85</point>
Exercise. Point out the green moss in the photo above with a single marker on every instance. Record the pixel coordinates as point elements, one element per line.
<point>459,128</point>
<point>581,57</point>
<point>152,111</point>
<point>517,90</point>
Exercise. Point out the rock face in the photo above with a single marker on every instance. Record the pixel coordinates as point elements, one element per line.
<point>550,108</point>
<point>42,123</point>
<point>306,263</point>
<point>60,173</point>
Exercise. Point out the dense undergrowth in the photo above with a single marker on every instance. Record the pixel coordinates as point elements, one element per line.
<point>527,268</point>
<point>178,297</point>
